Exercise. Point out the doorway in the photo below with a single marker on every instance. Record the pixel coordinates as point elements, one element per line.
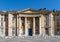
<point>47,31</point>
<point>30,32</point>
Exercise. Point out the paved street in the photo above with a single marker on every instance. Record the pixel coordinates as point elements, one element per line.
<point>31,39</point>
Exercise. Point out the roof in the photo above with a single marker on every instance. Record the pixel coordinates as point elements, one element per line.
<point>56,12</point>
<point>3,12</point>
<point>44,11</point>
<point>31,11</point>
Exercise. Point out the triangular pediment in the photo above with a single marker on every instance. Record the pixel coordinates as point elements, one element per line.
<point>29,10</point>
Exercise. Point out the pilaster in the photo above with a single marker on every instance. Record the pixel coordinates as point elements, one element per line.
<point>10,24</point>
<point>42,25</point>
<point>51,24</point>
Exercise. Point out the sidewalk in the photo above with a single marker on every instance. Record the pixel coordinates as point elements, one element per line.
<point>30,39</point>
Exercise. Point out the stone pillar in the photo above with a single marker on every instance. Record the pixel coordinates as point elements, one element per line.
<point>51,24</point>
<point>26,29</point>
<point>42,25</point>
<point>20,25</point>
<point>17,26</point>
<point>3,26</point>
<point>33,26</point>
<point>40,28</point>
<point>10,24</point>
<point>0,24</point>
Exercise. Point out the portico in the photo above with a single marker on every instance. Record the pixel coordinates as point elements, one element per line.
<point>28,26</point>
<point>29,22</point>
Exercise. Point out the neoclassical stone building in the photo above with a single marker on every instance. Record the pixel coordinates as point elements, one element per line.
<point>30,22</point>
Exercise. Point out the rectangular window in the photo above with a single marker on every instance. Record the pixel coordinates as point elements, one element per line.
<point>58,24</point>
<point>37,25</point>
<point>1,30</point>
<point>6,19</point>
<point>12,18</point>
<point>13,31</point>
<point>47,31</point>
<point>47,20</point>
<point>1,24</point>
<point>1,18</point>
<point>58,18</point>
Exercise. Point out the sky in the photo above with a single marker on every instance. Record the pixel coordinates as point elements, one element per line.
<point>23,4</point>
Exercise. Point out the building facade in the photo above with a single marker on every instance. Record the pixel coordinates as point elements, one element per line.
<point>30,22</point>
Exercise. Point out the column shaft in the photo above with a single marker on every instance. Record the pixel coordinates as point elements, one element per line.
<point>20,30</point>
<point>40,29</point>
<point>33,26</point>
<point>17,26</point>
<point>26,29</point>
